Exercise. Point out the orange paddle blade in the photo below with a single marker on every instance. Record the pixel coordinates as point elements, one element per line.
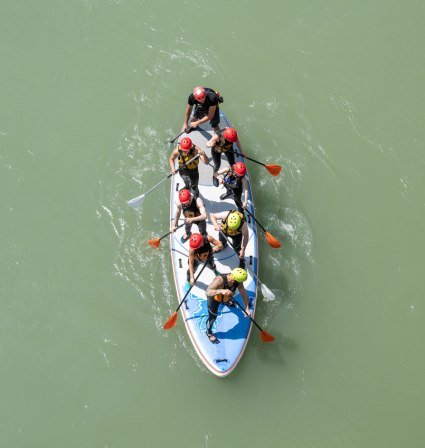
<point>273,242</point>
<point>155,242</point>
<point>171,322</point>
<point>274,170</point>
<point>266,337</point>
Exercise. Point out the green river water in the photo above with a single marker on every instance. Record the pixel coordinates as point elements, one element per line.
<point>331,90</point>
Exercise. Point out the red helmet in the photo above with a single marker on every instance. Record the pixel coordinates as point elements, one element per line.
<point>199,93</point>
<point>184,196</point>
<point>240,168</point>
<point>185,143</point>
<point>230,134</point>
<point>196,241</point>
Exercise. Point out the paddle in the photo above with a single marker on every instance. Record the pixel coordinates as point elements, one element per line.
<point>273,242</point>
<point>267,294</point>
<point>274,170</point>
<point>187,129</point>
<point>172,320</point>
<point>264,335</point>
<point>155,242</point>
<point>135,202</point>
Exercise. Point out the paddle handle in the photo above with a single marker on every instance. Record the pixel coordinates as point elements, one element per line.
<point>175,138</point>
<point>187,130</point>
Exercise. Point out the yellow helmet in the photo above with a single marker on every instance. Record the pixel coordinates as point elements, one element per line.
<point>239,274</point>
<point>233,221</point>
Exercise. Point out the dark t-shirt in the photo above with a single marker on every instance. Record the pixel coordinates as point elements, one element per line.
<point>201,109</point>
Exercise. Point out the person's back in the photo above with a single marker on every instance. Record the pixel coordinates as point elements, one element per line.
<point>205,101</point>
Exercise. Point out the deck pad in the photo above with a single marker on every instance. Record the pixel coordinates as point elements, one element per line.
<point>231,327</point>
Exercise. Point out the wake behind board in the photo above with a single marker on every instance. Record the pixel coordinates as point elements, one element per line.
<point>231,327</point>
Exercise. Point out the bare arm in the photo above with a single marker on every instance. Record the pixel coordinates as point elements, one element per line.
<point>191,270</point>
<point>215,216</point>
<point>220,172</point>
<point>245,297</point>
<point>201,207</point>
<point>216,287</point>
<point>245,192</point>
<point>214,221</point>
<point>173,157</point>
<point>212,142</point>
<point>176,217</point>
<point>245,237</point>
<point>203,156</point>
<point>210,116</point>
<point>224,170</point>
<point>187,116</point>
<point>216,243</point>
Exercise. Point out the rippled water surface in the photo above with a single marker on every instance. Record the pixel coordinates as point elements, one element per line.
<point>91,92</point>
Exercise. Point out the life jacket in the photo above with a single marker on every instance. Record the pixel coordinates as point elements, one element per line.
<point>232,180</point>
<point>191,210</point>
<point>219,97</point>
<point>186,156</point>
<point>223,144</point>
<point>205,249</point>
<point>223,298</point>
<point>232,232</point>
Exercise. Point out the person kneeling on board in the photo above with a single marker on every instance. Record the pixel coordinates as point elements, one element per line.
<point>232,225</point>
<point>206,103</point>
<point>221,290</point>
<point>234,181</point>
<point>201,249</point>
<point>193,211</point>
<point>222,142</point>
<point>189,172</point>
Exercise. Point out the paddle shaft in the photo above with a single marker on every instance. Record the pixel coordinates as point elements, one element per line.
<point>171,231</point>
<point>246,314</point>
<point>196,278</point>
<point>175,138</point>
<point>245,157</point>
<point>163,180</point>
<point>231,245</point>
<point>187,130</point>
<point>246,210</point>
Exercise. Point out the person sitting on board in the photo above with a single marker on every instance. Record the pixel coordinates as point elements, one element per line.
<point>222,142</point>
<point>221,290</point>
<point>232,225</point>
<point>189,172</point>
<point>201,249</point>
<point>234,181</point>
<point>193,211</point>
<point>206,102</point>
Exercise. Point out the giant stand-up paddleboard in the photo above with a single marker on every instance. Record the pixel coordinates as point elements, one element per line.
<point>231,327</point>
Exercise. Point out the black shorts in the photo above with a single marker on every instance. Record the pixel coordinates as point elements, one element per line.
<point>215,120</point>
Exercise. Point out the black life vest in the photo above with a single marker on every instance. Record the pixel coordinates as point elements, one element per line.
<point>222,298</point>
<point>223,144</point>
<point>206,248</point>
<point>191,210</point>
<point>232,180</point>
